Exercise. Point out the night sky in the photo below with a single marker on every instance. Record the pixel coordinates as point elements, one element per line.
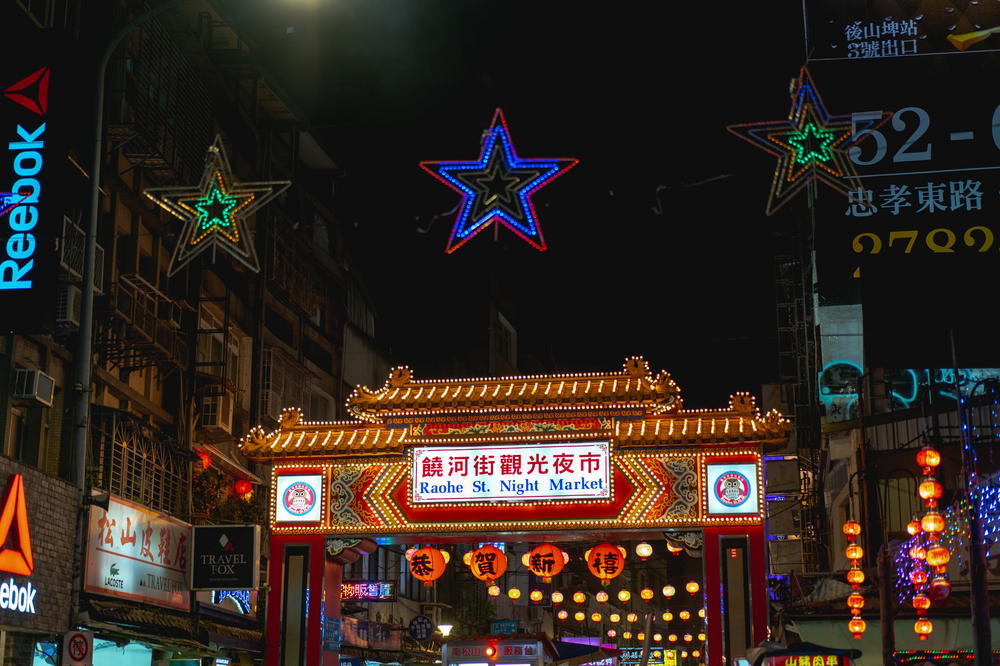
<point>640,92</point>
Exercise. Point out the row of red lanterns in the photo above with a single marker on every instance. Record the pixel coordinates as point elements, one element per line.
<point>934,554</point>
<point>487,563</point>
<point>855,576</point>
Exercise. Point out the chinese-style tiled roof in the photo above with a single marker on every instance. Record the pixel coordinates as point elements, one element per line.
<point>740,423</point>
<point>324,438</point>
<point>634,386</point>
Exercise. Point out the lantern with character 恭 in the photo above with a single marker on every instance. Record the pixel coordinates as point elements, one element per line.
<point>427,564</point>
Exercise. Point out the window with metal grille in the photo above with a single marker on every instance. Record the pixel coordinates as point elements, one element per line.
<point>136,462</point>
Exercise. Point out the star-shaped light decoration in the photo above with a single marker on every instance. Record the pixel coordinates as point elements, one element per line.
<point>811,145</point>
<point>214,211</point>
<point>498,187</point>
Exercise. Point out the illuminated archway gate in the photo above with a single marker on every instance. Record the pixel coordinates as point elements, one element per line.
<point>568,456</point>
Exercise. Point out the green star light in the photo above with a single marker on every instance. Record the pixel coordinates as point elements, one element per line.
<point>806,150</point>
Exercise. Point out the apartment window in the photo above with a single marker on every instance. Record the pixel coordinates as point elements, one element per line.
<point>17,426</point>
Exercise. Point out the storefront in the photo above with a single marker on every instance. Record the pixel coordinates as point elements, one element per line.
<point>35,572</point>
<point>610,455</point>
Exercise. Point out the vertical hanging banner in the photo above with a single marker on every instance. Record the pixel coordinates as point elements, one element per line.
<point>33,94</point>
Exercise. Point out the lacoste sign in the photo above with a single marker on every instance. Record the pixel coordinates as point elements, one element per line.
<point>226,557</point>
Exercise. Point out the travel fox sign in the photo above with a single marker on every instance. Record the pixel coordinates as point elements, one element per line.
<point>511,473</point>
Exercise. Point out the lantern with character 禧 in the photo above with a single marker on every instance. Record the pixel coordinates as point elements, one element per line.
<point>605,561</point>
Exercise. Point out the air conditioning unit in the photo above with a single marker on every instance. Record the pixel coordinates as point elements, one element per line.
<point>68,306</point>
<point>33,385</point>
<point>217,412</point>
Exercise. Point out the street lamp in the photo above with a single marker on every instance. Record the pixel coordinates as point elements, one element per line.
<point>445,629</point>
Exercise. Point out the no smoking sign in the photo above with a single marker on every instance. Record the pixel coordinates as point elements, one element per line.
<point>78,648</point>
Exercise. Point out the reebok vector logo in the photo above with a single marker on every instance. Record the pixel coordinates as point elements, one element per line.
<point>15,558</point>
<point>31,92</point>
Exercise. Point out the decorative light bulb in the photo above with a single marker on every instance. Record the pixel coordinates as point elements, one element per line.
<point>536,595</point>
<point>601,597</point>
<point>514,593</point>
<point>615,618</point>
<point>563,614</point>
<point>579,616</point>
<point>669,591</point>
<point>646,594</point>
<point>631,617</point>
<point>624,595</point>
<point>579,597</point>
<point>493,590</point>
<point>643,550</point>
<point>692,587</point>
<point>557,597</point>
<point>668,616</point>
<point>685,615</point>
<point>596,617</point>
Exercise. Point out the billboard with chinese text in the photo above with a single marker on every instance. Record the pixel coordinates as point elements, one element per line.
<point>138,554</point>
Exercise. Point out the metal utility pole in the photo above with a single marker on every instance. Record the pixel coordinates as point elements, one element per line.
<point>85,340</point>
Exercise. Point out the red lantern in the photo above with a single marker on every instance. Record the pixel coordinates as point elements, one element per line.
<point>928,458</point>
<point>930,488</point>
<point>545,561</point>
<point>939,590</point>
<point>487,563</point>
<point>605,561</point>
<point>206,460</point>
<point>852,528</point>
<point>427,564</point>
<point>243,487</point>
<point>923,627</point>
<point>857,627</point>
<point>938,557</point>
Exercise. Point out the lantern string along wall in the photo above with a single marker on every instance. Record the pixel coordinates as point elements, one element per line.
<point>677,611</point>
<point>855,601</point>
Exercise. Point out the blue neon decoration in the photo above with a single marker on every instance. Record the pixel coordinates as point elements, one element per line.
<point>838,384</point>
<point>240,597</point>
<point>497,187</point>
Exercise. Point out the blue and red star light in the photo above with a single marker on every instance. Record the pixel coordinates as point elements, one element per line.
<point>497,187</point>
<point>811,144</point>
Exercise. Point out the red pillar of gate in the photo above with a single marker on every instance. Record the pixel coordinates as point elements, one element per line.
<point>276,595</point>
<point>332,581</point>
<point>757,562</point>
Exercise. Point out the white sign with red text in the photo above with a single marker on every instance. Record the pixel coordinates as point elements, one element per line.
<point>511,473</point>
<point>139,554</point>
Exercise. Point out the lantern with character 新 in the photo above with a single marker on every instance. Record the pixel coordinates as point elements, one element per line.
<point>427,564</point>
<point>545,561</point>
<point>605,561</point>
<point>487,563</point>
